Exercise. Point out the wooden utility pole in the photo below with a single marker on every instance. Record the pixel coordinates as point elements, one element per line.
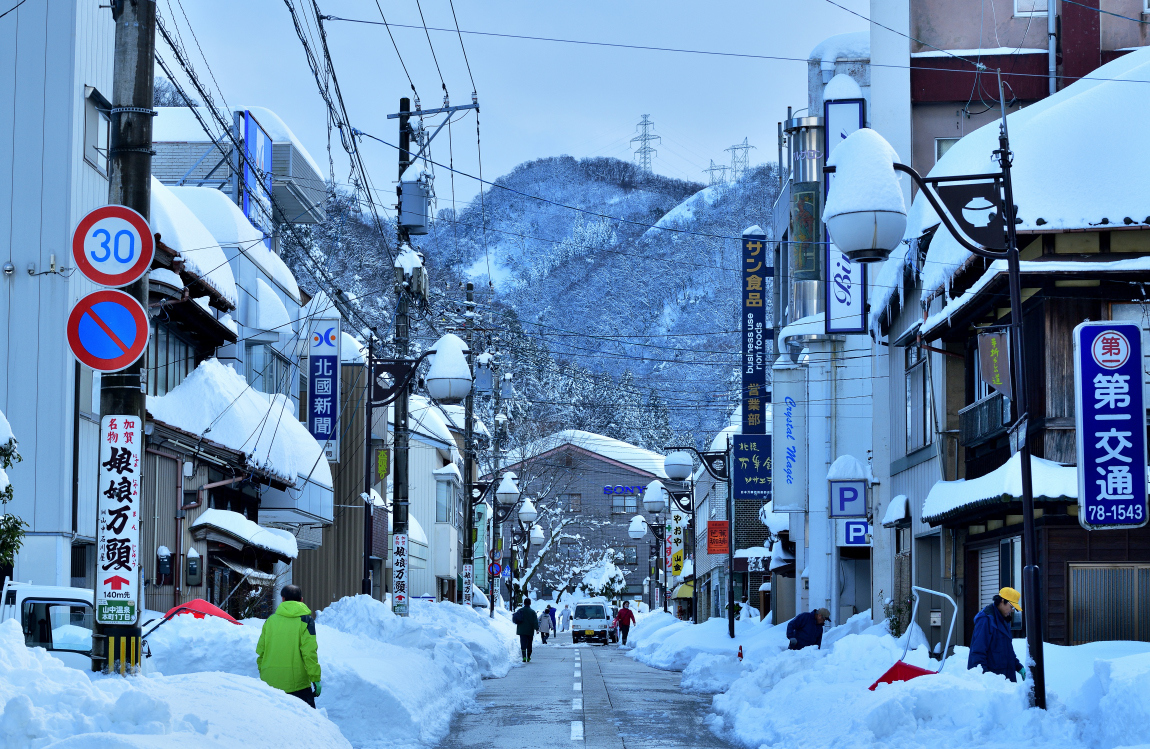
<point>402,351</point>
<point>129,184</point>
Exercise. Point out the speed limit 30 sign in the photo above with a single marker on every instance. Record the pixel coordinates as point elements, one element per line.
<point>113,246</point>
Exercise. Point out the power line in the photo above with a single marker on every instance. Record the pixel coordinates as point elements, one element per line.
<point>396,46</point>
<point>432,47</point>
<point>465,60</point>
<point>14,7</point>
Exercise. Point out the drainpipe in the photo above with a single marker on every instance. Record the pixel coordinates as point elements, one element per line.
<point>1052,44</point>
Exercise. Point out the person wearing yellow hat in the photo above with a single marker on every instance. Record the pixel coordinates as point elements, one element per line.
<point>990,644</point>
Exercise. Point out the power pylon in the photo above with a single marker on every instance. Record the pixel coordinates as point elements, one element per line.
<point>740,159</point>
<point>645,138</point>
<point>721,171</point>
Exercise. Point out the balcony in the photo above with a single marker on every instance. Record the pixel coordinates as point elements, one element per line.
<point>984,420</point>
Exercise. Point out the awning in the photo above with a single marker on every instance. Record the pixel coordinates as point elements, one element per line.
<point>897,510</point>
<point>686,590</point>
<point>235,530</point>
<point>782,559</point>
<point>255,576</point>
<point>1052,481</point>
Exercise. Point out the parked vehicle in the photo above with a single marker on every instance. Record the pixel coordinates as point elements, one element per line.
<point>55,618</point>
<point>613,628</point>
<point>591,622</point>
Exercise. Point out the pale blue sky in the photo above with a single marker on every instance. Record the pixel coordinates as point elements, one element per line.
<point>538,98</point>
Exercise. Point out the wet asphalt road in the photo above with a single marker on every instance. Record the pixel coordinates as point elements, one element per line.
<point>586,696</point>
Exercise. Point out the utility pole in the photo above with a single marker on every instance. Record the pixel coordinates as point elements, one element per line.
<point>730,546</point>
<point>721,170</point>
<point>645,138</point>
<point>368,505</point>
<point>740,159</point>
<point>129,184</point>
<point>402,343</point>
<point>468,550</point>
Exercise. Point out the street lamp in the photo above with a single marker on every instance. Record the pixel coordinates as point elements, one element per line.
<point>527,513</point>
<point>865,213</point>
<point>678,465</point>
<point>996,241</point>
<point>536,534</point>
<point>449,377</point>
<point>655,498</point>
<point>638,529</point>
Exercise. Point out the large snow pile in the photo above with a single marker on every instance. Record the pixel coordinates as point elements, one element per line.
<point>663,642</point>
<point>48,703</point>
<point>417,671</point>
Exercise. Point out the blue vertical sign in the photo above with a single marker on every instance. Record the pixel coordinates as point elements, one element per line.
<point>1111,425</point>
<point>257,177</point>
<point>751,464</point>
<point>757,269</point>
<point>323,386</point>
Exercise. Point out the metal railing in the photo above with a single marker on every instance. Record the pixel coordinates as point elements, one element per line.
<point>984,420</point>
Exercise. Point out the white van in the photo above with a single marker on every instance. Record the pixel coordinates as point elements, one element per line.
<point>590,622</point>
<point>55,618</point>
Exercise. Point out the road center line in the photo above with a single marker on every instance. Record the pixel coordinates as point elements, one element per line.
<point>578,687</point>
<point>576,730</point>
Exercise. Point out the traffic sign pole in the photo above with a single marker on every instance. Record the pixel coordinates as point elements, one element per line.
<point>116,647</point>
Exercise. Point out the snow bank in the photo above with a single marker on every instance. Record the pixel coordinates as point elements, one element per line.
<point>674,645</point>
<point>48,703</point>
<point>388,681</point>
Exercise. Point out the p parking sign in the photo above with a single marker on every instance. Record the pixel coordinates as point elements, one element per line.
<point>848,499</point>
<point>1111,425</point>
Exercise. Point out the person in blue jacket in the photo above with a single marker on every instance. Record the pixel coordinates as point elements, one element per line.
<point>990,645</point>
<point>806,629</point>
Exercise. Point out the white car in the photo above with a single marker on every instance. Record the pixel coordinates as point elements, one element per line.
<point>590,622</point>
<point>55,618</point>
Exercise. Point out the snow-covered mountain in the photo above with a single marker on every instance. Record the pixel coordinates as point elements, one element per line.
<point>643,277</point>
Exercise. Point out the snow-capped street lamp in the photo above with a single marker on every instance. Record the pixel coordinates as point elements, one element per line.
<point>528,513</point>
<point>507,493</point>
<point>536,534</point>
<point>638,527</point>
<point>865,213</point>
<point>449,378</point>
<point>994,238</point>
<point>679,465</point>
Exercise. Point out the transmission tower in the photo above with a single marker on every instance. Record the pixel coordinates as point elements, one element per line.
<point>718,174</point>
<point>740,159</point>
<point>645,138</point>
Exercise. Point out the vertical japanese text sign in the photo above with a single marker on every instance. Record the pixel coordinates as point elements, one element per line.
<point>1111,425</point>
<point>676,530</point>
<point>756,269</point>
<point>399,575</point>
<point>845,287</point>
<point>751,466</point>
<point>118,527</point>
<point>323,386</point>
<point>468,583</point>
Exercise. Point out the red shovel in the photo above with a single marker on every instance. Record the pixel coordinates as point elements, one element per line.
<point>903,671</point>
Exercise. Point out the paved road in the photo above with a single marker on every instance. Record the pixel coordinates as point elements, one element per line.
<point>585,695</point>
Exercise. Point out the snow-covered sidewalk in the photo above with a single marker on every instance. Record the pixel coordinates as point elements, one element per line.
<point>1099,693</point>
<point>387,682</point>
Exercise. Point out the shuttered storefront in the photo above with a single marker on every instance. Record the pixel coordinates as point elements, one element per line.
<point>989,573</point>
<point>1109,602</point>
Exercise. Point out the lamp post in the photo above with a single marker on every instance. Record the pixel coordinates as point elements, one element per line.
<point>871,239</point>
<point>679,466</point>
<point>507,496</point>
<point>448,381</point>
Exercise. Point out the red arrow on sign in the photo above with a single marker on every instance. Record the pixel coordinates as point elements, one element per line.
<point>116,582</point>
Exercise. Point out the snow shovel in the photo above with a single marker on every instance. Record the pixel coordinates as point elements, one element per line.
<point>903,671</point>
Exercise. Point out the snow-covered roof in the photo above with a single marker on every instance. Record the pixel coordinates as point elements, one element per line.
<point>455,416</point>
<point>351,351</point>
<point>1047,140</point>
<point>688,569</point>
<point>854,45</point>
<point>617,450</point>
<point>804,326</point>
<point>179,229</point>
<point>165,276</point>
<point>998,268</point>
<point>719,442</point>
<point>842,86</point>
<point>754,551</point>
<point>897,510</point>
<point>216,402</point>
<point>271,314</point>
<point>451,470</point>
<point>231,228</point>
<point>1051,480</point>
<point>234,524</point>
<point>279,132</point>
<point>781,559</point>
<point>979,52</point>
<point>777,522</point>
<point>426,418</point>
<point>415,532</point>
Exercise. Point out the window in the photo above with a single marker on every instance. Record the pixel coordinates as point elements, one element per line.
<point>268,371</point>
<point>942,145</point>
<point>96,131</point>
<point>1029,8</point>
<point>1109,602</point>
<point>57,625</point>
<point>918,412</point>
<point>624,503</point>
<point>170,359</point>
<point>572,502</point>
<point>444,502</point>
<point>630,555</point>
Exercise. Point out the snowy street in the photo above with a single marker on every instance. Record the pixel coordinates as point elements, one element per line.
<point>590,694</point>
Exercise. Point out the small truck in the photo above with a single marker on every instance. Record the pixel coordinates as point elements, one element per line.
<point>55,618</point>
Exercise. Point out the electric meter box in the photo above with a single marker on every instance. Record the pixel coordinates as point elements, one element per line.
<point>415,207</point>
<point>193,574</point>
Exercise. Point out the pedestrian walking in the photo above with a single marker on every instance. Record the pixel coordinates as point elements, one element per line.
<point>551,612</point>
<point>626,618</point>
<point>806,629</point>
<point>526,622</point>
<point>287,654</point>
<point>990,644</point>
<point>545,625</point>
<point>565,618</point>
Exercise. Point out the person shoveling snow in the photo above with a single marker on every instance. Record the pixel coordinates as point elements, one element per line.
<point>287,653</point>
<point>990,644</point>
<point>806,629</point>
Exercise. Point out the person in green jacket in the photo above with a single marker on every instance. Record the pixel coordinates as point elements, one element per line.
<point>526,622</point>
<point>287,654</point>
